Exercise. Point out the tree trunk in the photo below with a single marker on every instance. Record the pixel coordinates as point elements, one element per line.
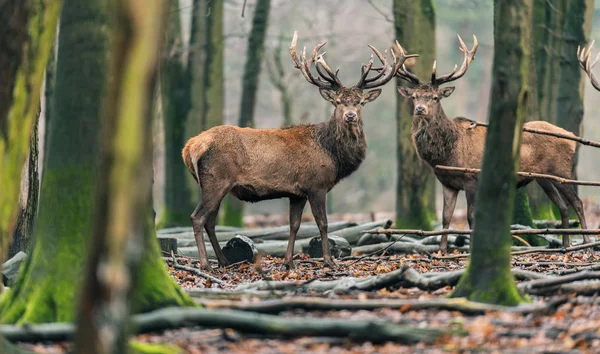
<point>569,100</point>
<point>175,97</point>
<point>124,233</point>
<point>27,31</point>
<point>415,191</point>
<point>233,209</point>
<point>488,277</point>
<point>28,199</point>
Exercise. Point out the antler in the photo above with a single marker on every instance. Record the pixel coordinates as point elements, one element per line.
<point>583,56</point>
<point>327,79</point>
<point>385,73</point>
<point>454,75</point>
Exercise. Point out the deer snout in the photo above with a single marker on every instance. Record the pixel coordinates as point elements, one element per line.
<point>350,116</point>
<point>420,109</point>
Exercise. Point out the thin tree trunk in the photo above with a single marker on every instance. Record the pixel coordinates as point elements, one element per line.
<point>415,190</point>
<point>233,209</point>
<point>569,100</point>
<point>488,276</point>
<point>175,96</point>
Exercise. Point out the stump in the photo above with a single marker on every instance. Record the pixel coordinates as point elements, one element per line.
<point>338,247</point>
<point>239,249</point>
<point>10,268</point>
<point>168,244</point>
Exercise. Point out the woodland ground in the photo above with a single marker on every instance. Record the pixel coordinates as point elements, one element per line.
<point>572,327</point>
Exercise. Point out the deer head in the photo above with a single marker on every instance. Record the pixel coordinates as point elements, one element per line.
<point>348,101</point>
<point>583,56</point>
<point>426,97</point>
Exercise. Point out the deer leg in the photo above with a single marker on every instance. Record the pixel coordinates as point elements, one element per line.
<point>318,206</point>
<point>560,203</point>
<point>568,192</point>
<point>296,208</point>
<point>209,226</point>
<point>197,221</point>
<point>449,205</point>
<point>211,199</point>
<point>471,192</point>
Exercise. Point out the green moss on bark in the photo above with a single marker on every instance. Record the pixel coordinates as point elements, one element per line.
<point>136,347</point>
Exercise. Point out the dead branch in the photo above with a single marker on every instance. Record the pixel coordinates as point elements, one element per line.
<point>243,321</point>
<point>200,274</point>
<point>553,283</point>
<point>521,174</point>
<point>546,132</point>
<point>320,304</point>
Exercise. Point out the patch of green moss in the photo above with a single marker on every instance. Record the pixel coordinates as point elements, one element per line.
<point>136,347</point>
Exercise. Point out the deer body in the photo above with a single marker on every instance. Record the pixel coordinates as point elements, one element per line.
<point>262,164</point>
<point>301,163</point>
<point>457,142</point>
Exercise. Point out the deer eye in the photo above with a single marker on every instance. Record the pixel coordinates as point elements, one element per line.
<point>338,101</point>
<point>413,97</point>
<point>435,98</point>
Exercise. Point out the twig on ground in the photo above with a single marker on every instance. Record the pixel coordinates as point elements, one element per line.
<point>200,274</point>
<point>382,250</point>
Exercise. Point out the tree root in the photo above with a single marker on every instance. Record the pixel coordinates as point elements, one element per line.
<point>243,321</point>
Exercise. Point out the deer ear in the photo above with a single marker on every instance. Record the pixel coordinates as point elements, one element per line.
<point>328,95</point>
<point>371,96</point>
<point>446,91</point>
<point>405,91</point>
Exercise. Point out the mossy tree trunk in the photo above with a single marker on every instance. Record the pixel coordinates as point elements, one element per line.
<point>415,190</point>
<point>26,36</point>
<point>28,197</point>
<point>123,237</point>
<point>175,97</point>
<point>571,79</point>
<point>233,209</point>
<point>45,290</point>
<point>488,277</point>
<point>548,21</point>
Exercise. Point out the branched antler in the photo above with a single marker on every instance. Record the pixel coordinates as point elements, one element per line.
<point>385,73</point>
<point>327,79</point>
<point>583,56</point>
<point>454,75</point>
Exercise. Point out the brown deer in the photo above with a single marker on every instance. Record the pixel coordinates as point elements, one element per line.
<point>302,163</point>
<point>458,142</point>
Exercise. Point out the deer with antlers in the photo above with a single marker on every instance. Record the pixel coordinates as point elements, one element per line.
<point>302,163</point>
<point>457,142</point>
<point>584,56</point>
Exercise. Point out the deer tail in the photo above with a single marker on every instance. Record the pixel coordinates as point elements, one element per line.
<point>191,154</point>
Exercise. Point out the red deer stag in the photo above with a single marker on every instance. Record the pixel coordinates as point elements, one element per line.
<point>302,163</point>
<point>440,140</point>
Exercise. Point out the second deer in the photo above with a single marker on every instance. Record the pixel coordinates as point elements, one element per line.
<point>440,140</point>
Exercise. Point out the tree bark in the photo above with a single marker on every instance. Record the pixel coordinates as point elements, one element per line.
<point>569,100</point>
<point>488,277</point>
<point>26,35</point>
<point>28,199</point>
<point>233,209</point>
<point>415,189</point>
<point>175,99</point>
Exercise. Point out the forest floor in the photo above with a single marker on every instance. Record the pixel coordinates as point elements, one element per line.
<point>572,326</point>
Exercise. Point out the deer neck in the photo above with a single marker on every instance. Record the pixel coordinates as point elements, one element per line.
<point>345,143</point>
<point>435,138</point>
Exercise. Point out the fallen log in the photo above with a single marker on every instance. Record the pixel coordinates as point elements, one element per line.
<point>320,304</point>
<point>554,283</point>
<point>181,229</point>
<point>243,321</point>
<point>240,249</point>
<point>272,233</point>
<point>397,247</point>
<point>338,247</point>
